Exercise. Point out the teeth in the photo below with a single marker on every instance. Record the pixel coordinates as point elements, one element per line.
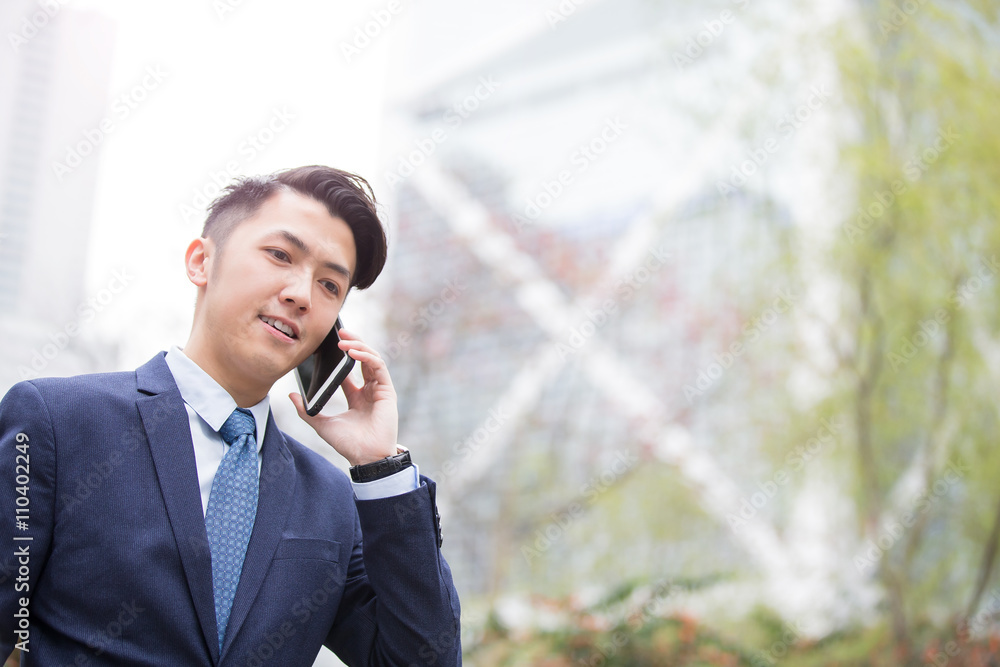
<point>280,326</point>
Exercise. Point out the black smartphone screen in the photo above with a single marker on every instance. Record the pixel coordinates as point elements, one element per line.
<point>323,371</point>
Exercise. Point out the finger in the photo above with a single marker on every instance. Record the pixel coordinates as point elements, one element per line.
<point>372,366</point>
<point>357,345</point>
<point>347,334</point>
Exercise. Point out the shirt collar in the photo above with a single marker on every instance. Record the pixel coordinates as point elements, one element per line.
<point>207,397</point>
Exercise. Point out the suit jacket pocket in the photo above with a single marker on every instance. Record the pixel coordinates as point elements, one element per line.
<point>308,548</point>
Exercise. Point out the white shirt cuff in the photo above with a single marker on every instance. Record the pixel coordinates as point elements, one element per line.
<point>395,484</point>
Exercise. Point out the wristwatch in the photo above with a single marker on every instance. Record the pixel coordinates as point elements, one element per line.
<point>390,465</point>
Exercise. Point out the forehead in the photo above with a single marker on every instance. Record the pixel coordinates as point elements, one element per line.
<point>308,219</point>
<point>291,206</point>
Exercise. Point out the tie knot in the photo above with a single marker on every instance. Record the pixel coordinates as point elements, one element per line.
<point>240,423</point>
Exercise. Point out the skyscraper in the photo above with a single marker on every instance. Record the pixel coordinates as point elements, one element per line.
<point>558,246</point>
<point>56,94</point>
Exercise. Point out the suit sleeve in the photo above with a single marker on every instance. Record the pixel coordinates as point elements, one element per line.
<point>400,606</point>
<point>27,504</point>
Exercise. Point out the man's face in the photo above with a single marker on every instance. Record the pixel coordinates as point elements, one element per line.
<point>275,292</point>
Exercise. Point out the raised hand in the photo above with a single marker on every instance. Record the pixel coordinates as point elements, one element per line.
<point>367,431</point>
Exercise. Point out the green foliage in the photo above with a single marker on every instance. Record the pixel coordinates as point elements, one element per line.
<point>680,640</point>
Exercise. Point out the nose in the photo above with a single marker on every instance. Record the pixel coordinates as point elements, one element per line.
<point>298,291</point>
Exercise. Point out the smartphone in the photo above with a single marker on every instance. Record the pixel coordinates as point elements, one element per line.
<point>323,371</point>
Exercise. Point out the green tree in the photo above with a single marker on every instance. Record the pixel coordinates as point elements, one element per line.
<point>918,319</point>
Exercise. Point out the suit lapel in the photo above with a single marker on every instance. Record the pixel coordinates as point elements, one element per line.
<point>169,433</point>
<point>277,482</point>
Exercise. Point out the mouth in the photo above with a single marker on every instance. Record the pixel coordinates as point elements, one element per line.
<point>284,328</point>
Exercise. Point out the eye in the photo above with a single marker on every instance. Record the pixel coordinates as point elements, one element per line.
<point>332,287</point>
<point>279,254</point>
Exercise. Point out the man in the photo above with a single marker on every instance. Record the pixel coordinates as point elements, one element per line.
<point>142,524</point>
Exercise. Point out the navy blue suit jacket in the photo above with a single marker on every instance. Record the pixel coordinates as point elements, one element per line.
<point>117,569</point>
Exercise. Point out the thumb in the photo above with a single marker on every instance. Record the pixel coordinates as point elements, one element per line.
<point>300,406</point>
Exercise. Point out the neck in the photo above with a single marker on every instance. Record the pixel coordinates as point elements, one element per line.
<point>246,390</point>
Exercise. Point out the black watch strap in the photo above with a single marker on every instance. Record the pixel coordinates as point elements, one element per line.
<point>369,472</point>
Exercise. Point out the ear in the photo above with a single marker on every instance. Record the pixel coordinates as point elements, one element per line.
<point>197,260</point>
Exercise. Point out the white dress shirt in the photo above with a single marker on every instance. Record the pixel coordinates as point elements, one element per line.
<point>209,405</point>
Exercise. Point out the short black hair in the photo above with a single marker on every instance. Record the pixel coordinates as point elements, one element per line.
<point>346,196</point>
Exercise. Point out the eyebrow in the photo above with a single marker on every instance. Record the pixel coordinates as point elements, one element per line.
<point>301,245</point>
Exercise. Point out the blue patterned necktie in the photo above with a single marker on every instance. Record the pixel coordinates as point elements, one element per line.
<point>232,506</point>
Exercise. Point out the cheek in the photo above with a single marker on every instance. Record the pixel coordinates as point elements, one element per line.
<point>234,313</point>
<point>246,292</point>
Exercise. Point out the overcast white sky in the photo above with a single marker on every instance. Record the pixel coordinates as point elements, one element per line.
<point>225,79</point>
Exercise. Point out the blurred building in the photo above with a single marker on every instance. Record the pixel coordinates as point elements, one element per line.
<point>563,266</point>
<point>50,122</point>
